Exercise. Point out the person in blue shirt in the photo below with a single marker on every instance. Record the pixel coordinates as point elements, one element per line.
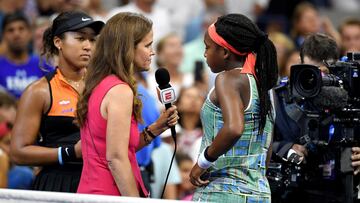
<point>149,115</point>
<point>18,67</point>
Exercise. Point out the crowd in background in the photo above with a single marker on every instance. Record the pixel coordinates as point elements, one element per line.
<point>179,27</point>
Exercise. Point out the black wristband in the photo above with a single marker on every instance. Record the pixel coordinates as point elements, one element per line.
<point>207,157</point>
<point>149,132</point>
<point>68,154</point>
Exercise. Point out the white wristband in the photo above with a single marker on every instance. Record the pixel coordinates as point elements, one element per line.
<point>60,156</point>
<point>203,162</point>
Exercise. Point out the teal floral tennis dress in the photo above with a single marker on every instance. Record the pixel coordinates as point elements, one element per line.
<point>239,174</point>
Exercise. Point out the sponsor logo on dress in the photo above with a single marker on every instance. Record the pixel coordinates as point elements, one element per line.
<point>64,102</point>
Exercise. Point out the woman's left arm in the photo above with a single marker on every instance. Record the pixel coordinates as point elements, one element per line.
<point>228,95</point>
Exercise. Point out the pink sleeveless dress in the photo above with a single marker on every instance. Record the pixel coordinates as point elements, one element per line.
<point>96,177</point>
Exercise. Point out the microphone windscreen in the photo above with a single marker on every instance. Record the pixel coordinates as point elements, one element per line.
<point>162,77</point>
<point>331,97</point>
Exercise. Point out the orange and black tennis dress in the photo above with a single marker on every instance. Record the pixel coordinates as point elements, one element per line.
<point>58,129</point>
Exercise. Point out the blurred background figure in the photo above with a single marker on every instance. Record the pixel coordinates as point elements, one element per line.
<point>307,20</point>
<point>284,46</point>
<point>194,27</point>
<point>250,8</point>
<point>185,189</point>
<point>40,26</point>
<point>19,68</point>
<point>11,175</point>
<point>158,15</point>
<point>181,13</point>
<point>194,49</point>
<point>95,9</point>
<point>4,154</point>
<point>292,58</point>
<point>169,51</point>
<point>161,157</point>
<point>189,103</point>
<point>350,35</point>
<point>149,115</point>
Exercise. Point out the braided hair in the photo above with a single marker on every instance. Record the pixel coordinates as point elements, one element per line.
<point>240,32</point>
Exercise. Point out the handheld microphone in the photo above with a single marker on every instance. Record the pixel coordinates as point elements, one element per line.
<point>166,92</point>
<point>167,96</point>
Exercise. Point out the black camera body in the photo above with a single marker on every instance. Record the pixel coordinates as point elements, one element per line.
<point>323,100</point>
<point>306,81</point>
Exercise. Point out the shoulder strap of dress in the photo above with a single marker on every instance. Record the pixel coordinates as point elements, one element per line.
<point>106,84</point>
<point>48,78</point>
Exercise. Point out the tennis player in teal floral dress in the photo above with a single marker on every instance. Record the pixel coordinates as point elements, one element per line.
<point>237,115</point>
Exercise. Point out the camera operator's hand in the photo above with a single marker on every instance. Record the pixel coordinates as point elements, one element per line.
<point>296,154</point>
<point>355,158</point>
<point>300,150</point>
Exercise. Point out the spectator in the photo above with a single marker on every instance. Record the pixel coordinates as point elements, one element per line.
<point>292,58</point>
<point>306,20</point>
<point>7,107</point>
<point>8,7</point>
<point>284,46</point>
<point>350,35</point>
<point>249,8</point>
<point>149,115</point>
<point>169,52</point>
<point>181,13</point>
<point>41,23</point>
<point>18,67</point>
<point>189,104</point>
<point>158,15</point>
<point>194,50</point>
<point>18,177</point>
<point>195,27</point>
<point>4,156</point>
<point>96,10</point>
<point>185,188</point>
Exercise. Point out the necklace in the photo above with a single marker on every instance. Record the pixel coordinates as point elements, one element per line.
<point>74,83</point>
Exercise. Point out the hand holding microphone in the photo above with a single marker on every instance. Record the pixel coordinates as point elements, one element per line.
<point>169,118</point>
<point>167,96</point>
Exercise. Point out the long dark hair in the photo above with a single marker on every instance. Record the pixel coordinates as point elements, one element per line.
<point>114,54</point>
<point>245,36</point>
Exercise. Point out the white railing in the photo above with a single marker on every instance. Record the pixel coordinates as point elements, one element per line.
<point>29,196</point>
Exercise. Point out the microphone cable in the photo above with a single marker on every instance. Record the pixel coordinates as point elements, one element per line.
<point>172,160</point>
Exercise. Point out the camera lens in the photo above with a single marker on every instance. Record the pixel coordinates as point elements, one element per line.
<point>307,80</point>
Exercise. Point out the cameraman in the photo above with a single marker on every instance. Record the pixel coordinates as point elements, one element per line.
<point>316,49</point>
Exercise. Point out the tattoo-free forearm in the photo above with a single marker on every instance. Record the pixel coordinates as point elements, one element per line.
<point>124,178</point>
<point>223,142</point>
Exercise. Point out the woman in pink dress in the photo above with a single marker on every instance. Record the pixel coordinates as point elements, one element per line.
<point>110,109</point>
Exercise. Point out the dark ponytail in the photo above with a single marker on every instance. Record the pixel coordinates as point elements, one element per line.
<point>245,36</point>
<point>267,73</point>
<point>49,49</point>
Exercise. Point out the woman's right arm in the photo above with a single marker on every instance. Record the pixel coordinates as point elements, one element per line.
<point>26,129</point>
<point>116,108</point>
